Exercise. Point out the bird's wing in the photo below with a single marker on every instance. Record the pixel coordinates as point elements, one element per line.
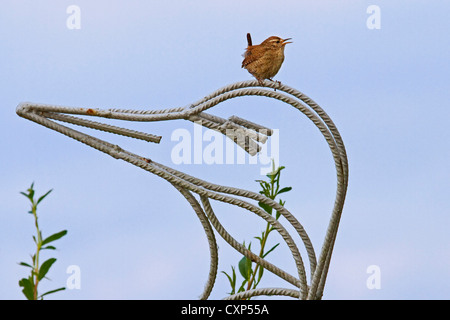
<point>248,57</point>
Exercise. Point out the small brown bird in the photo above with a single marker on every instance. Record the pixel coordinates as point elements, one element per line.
<point>263,61</point>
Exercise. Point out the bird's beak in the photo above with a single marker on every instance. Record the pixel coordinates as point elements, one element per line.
<point>285,41</point>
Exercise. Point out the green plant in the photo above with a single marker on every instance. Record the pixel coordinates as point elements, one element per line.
<point>252,274</point>
<point>38,272</point>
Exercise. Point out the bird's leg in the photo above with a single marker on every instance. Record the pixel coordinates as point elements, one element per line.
<point>279,82</point>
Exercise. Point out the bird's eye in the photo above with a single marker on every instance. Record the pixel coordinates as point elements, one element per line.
<point>278,41</point>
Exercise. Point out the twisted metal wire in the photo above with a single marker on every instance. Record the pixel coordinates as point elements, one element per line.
<point>213,248</point>
<point>264,292</point>
<point>248,136</point>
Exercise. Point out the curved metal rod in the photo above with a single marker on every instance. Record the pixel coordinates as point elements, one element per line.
<point>148,165</point>
<point>277,226</point>
<point>301,283</point>
<point>331,134</point>
<point>248,136</point>
<point>213,248</point>
<point>264,292</point>
<point>254,196</point>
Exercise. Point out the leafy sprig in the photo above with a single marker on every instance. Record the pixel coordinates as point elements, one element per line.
<point>38,271</point>
<point>252,273</point>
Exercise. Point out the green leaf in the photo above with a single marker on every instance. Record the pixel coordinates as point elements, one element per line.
<point>27,285</point>
<point>265,186</point>
<point>45,267</point>
<point>263,234</point>
<point>266,207</point>
<point>232,280</point>
<point>25,265</point>
<point>271,249</point>
<point>25,194</point>
<point>277,215</point>
<point>245,267</point>
<point>31,192</point>
<point>42,197</point>
<point>275,172</point>
<point>49,247</point>
<point>54,237</point>
<point>285,189</point>
<point>270,175</point>
<point>241,288</point>
<point>52,291</point>
<point>260,274</point>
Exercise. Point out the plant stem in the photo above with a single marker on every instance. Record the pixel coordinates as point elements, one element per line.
<point>261,253</point>
<point>38,249</point>
<point>272,195</point>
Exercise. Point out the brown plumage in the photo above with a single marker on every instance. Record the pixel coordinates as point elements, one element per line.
<point>263,61</point>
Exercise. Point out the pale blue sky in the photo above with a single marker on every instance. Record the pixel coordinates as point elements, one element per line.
<point>134,236</point>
